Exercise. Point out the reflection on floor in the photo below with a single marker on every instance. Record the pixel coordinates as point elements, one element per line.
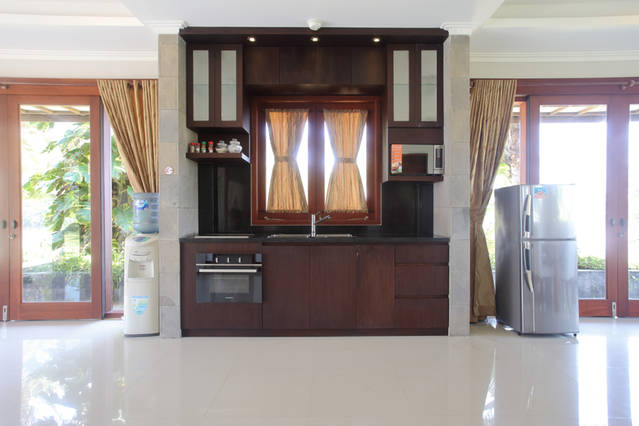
<point>88,373</point>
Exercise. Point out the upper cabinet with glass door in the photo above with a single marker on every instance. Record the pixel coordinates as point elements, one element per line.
<point>414,86</point>
<point>214,86</point>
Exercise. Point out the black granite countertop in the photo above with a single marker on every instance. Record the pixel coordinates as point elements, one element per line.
<point>356,239</point>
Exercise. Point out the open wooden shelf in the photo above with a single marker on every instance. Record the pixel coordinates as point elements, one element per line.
<point>427,178</point>
<point>215,158</point>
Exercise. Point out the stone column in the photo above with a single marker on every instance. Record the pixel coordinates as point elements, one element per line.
<point>452,196</point>
<point>178,177</point>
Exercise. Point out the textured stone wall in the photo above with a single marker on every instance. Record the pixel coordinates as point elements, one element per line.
<point>452,196</point>
<point>178,190</point>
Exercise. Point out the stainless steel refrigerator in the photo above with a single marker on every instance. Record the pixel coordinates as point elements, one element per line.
<point>536,258</point>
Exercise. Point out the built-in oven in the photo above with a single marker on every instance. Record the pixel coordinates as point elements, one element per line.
<point>229,278</point>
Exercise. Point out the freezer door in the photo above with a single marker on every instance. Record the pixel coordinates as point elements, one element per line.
<point>550,302</point>
<point>552,212</point>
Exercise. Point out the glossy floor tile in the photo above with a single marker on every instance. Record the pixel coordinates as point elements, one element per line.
<point>87,373</point>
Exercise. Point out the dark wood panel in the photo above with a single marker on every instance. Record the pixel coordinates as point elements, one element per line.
<point>261,65</point>
<point>376,292</point>
<point>286,287</point>
<point>412,253</point>
<point>418,135</point>
<point>322,332</point>
<point>368,66</point>
<point>421,280</point>
<point>301,35</point>
<point>315,64</point>
<point>421,313</point>
<point>333,287</point>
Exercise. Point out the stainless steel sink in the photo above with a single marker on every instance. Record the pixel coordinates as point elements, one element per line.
<point>309,236</point>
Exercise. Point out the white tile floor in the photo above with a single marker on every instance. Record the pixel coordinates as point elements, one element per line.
<point>88,373</point>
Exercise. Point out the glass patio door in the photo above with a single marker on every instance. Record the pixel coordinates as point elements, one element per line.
<point>593,142</point>
<point>54,157</point>
<point>628,224</point>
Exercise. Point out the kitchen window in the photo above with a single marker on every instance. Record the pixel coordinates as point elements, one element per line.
<point>316,154</point>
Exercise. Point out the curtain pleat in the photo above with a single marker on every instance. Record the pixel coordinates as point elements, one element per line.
<point>491,104</point>
<point>286,129</point>
<point>132,109</point>
<point>345,191</point>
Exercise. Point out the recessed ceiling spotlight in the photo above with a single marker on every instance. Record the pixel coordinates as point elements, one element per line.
<point>314,39</point>
<point>251,39</point>
<point>376,39</point>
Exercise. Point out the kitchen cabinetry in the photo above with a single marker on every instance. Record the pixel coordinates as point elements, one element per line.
<point>287,287</point>
<point>333,273</point>
<point>414,83</point>
<point>214,87</point>
<point>327,289</point>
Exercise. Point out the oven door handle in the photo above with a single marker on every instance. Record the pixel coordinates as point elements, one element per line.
<point>227,271</point>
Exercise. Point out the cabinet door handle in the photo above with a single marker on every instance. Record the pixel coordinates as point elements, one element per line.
<point>14,223</point>
<point>4,224</point>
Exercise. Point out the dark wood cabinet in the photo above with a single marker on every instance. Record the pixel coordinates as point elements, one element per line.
<point>286,287</point>
<point>333,301</point>
<point>215,87</point>
<point>376,286</point>
<point>326,289</point>
<point>415,85</point>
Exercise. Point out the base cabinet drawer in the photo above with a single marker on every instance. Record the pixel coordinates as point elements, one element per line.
<point>232,316</point>
<point>412,253</point>
<point>421,313</point>
<point>421,280</point>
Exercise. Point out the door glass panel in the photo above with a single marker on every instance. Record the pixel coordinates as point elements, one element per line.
<point>401,97</point>
<point>429,85</point>
<point>56,203</point>
<point>633,203</point>
<point>201,85</point>
<point>228,78</point>
<point>572,149</point>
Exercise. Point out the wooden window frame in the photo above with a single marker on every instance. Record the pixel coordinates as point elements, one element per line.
<point>316,196</point>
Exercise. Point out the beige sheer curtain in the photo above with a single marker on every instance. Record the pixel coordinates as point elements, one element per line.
<point>132,106</point>
<point>491,104</point>
<point>345,191</point>
<point>286,192</point>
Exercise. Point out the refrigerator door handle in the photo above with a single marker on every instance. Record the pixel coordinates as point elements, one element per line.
<point>528,278</point>
<point>526,216</point>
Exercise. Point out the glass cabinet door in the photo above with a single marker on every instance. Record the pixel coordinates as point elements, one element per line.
<point>401,85</point>
<point>428,85</point>
<point>228,82</point>
<point>201,82</point>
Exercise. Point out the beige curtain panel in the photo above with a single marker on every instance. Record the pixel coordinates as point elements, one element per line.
<point>286,129</point>
<point>345,191</point>
<point>491,104</point>
<point>132,107</point>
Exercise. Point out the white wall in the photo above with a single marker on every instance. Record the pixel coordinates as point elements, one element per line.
<point>590,69</point>
<point>91,68</point>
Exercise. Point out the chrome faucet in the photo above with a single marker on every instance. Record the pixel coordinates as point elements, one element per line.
<point>314,222</point>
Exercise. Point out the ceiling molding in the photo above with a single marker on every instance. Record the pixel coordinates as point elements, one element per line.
<point>458,28</point>
<point>166,27</point>
<point>13,19</point>
<point>564,22</point>
<point>571,56</point>
<point>78,55</point>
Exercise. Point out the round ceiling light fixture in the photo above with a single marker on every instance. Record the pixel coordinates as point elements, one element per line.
<point>314,24</point>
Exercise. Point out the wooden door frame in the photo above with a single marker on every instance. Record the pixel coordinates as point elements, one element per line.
<point>4,206</point>
<point>625,307</point>
<point>55,310</point>
<point>595,307</point>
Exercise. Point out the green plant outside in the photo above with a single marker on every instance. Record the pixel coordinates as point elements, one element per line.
<point>70,212</point>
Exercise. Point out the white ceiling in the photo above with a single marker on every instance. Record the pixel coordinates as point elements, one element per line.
<point>120,36</point>
<point>560,31</point>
